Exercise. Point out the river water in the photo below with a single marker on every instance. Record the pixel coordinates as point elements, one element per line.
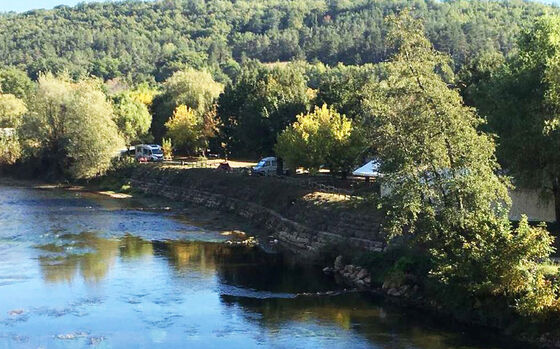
<point>79,270</point>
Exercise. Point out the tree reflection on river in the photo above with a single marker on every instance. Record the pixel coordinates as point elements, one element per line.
<point>80,270</point>
<point>90,257</point>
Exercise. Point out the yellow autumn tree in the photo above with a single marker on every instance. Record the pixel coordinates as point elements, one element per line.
<point>185,129</point>
<point>322,137</point>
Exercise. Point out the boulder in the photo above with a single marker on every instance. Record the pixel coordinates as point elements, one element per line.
<point>362,274</point>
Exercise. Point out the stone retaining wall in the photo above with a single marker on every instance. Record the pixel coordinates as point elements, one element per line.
<point>292,235</point>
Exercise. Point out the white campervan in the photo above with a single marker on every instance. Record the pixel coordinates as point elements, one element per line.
<point>148,153</point>
<point>269,166</point>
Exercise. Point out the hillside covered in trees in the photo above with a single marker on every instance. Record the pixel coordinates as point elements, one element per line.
<point>147,41</point>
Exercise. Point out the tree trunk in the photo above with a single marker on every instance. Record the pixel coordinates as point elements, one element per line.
<point>556,197</point>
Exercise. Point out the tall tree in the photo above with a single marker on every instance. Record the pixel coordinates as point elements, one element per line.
<point>70,128</point>
<point>522,104</point>
<point>261,104</point>
<point>132,118</point>
<point>194,89</point>
<point>443,185</point>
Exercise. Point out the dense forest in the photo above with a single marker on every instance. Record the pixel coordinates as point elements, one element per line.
<point>146,41</point>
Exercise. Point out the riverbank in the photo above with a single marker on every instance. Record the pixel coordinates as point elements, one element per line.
<point>318,228</point>
<point>81,269</point>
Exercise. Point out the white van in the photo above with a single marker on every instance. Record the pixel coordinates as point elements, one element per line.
<point>268,166</point>
<point>148,153</point>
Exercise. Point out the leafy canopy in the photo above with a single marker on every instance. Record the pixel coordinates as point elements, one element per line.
<point>150,40</point>
<point>261,104</point>
<point>194,89</point>
<point>16,82</point>
<point>71,127</point>
<point>132,117</point>
<point>185,129</point>
<point>442,180</point>
<point>322,137</point>
<point>521,101</point>
<point>11,110</point>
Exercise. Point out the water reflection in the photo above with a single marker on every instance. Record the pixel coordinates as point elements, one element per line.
<point>133,247</point>
<point>90,256</point>
<point>85,254</point>
<point>383,326</point>
<point>79,270</point>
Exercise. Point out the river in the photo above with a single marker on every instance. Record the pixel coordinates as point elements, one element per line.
<point>81,270</point>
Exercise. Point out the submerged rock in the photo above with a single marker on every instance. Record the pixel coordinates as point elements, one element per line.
<point>15,312</point>
<point>71,336</point>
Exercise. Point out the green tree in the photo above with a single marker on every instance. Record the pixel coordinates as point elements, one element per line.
<point>144,94</point>
<point>11,112</point>
<point>15,82</point>
<point>261,104</point>
<point>322,137</point>
<point>442,181</point>
<point>70,129</point>
<point>194,89</point>
<point>521,102</point>
<point>345,87</point>
<point>132,118</point>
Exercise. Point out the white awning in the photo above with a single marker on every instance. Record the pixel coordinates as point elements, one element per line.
<point>370,169</point>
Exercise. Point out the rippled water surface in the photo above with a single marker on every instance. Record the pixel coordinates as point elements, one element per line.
<point>78,270</point>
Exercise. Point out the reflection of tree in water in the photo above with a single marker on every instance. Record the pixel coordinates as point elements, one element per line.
<point>133,247</point>
<point>91,255</point>
<point>275,312</point>
<point>204,257</point>
<point>272,273</point>
<point>367,317</point>
<point>242,266</point>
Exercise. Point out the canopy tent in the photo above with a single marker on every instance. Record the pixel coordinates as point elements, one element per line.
<point>370,169</point>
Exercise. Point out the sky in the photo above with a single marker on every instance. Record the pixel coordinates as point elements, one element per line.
<point>26,5</point>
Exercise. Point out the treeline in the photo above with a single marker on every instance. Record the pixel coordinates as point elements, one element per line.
<point>147,41</point>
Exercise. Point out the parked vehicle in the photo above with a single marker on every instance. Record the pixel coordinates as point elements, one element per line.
<point>149,153</point>
<point>269,166</point>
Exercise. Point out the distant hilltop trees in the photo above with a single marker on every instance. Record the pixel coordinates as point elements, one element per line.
<point>145,41</point>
